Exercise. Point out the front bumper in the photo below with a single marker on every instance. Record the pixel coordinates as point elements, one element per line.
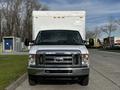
<point>58,71</point>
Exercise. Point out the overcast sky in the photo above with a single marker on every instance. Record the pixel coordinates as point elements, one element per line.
<point>98,11</point>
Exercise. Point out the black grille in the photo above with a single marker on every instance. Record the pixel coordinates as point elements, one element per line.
<point>39,59</point>
<point>58,59</point>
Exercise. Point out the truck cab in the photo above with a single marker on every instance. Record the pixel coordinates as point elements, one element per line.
<point>58,50</point>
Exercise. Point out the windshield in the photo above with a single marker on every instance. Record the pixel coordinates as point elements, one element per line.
<point>58,37</point>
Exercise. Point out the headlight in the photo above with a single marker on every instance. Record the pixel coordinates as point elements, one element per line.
<point>85,59</point>
<point>31,59</point>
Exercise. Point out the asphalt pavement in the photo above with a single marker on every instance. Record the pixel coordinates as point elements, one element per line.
<point>104,75</point>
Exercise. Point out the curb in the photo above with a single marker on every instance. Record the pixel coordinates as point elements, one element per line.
<point>16,83</point>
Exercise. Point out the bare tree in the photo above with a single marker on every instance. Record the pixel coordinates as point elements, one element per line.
<point>118,22</point>
<point>93,33</point>
<point>18,17</point>
<point>11,15</point>
<point>109,28</point>
<point>89,34</point>
<point>97,32</point>
<point>31,5</point>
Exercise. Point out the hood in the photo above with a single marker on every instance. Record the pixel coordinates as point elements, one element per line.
<point>81,48</point>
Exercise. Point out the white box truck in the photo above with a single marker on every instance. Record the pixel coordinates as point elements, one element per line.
<point>58,49</point>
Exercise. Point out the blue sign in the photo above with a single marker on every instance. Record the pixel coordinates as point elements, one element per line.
<point>8,43</point>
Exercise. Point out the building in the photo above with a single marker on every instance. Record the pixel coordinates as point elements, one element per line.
<point>11,44</point>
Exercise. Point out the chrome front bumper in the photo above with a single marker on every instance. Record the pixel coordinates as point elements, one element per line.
<point>58,71</point>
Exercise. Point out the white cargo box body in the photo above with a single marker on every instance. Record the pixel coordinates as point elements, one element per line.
<point>58,20</point>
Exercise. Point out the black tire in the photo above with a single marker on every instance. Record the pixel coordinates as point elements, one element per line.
<point>31,80</point>
<point>84,80</point>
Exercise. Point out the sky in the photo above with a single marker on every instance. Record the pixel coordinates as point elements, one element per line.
<point>98,12</point>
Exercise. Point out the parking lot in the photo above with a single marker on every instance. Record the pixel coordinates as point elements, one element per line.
<point>104,75</point>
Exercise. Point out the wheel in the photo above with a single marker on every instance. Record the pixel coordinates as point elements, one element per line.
<point>84,80</point>
<point>31,80</point>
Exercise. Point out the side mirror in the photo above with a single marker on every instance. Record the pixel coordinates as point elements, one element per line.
<point>26,43</point>
<point>84,41</point>
<point>31,43</point>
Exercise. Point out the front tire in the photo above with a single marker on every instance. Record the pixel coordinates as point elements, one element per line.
<point>84,80</point>
<point>31,80</point>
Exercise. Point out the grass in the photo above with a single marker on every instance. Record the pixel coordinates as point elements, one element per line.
<point>11,68</point>
<point>0,48</point>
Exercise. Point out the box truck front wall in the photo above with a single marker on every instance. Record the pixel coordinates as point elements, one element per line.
<point>60,22</point>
